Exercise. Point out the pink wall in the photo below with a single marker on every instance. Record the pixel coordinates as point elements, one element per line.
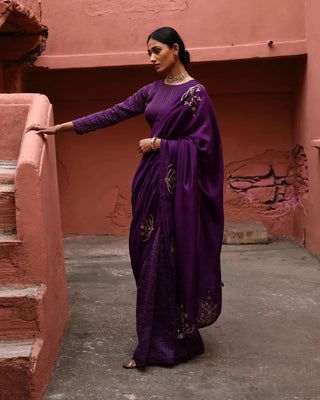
<point>123,26</point>
<point>307,128</point>
<point>95,33</point>
<point>254,103</point>
<point>266,109</point>
<point>12,122</point>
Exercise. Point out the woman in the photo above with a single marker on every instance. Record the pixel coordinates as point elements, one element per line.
<point>177,223</point>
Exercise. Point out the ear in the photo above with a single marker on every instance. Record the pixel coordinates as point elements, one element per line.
<point>175,48</point>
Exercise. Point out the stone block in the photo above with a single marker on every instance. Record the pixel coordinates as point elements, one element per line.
<point>238,184</point>
<point>244,233</point>
<point>265,182</point>
<point>281,191</point>
<point>261,194</point>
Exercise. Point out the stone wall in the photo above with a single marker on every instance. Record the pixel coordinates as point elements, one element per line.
<point>267,188</point>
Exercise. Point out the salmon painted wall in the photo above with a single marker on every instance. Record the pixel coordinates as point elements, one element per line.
<point>266,108</point>
<point>307,122</point>
<point>254,103</point>
<point>92,33</point>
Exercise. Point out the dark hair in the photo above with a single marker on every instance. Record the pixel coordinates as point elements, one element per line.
<point>169,36</point>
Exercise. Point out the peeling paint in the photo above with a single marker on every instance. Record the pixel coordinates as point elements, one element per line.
<point>95,8</point>
<point>20,16</point>
<point>121,214</point>
<point>23,36</point>
<point>271,185</point>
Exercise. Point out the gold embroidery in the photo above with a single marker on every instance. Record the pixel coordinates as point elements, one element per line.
<point>187,329</point>
<point>191,98</point>
<point>147,228</point>
<point>208,312</point>
<point>170,179</point>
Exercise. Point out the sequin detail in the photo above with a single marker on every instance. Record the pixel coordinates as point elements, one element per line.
<point>191,98</point>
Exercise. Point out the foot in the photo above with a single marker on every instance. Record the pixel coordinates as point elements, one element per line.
<point>131,363</point>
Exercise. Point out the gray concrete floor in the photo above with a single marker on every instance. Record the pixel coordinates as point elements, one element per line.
<point>265,345</point>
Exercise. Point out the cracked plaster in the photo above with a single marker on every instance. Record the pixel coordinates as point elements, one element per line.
<point>23,36</point>
<point>20,15</point>
<point>267,187</point>
<point>95,8</point>
<point>121,212</point>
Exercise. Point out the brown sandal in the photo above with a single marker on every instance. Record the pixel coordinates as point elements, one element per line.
<point>130,363</point>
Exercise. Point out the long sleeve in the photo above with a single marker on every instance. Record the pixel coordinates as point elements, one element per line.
<point>132,106</point>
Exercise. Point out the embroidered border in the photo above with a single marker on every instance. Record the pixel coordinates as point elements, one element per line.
<point>208,311</point>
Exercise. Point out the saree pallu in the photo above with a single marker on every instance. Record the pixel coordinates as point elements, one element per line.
<point>176,230</point>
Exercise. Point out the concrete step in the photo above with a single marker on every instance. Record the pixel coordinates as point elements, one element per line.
<point>7,171</point>
<point>20,308</point>
<point>10,265</point>
<point>7,207</point>
<point>9,238</point>
<point>244,233</point>
<point>18,361</point>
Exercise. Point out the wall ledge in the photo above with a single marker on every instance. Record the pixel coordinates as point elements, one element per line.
<point>203,54</point>
<point>316,143</point>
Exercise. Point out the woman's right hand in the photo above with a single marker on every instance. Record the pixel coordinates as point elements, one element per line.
<point>42,129</point>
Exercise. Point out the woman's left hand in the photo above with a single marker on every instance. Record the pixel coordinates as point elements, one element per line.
<point>144,146</point>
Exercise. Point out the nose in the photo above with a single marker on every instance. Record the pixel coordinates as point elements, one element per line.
<point>152,58</point>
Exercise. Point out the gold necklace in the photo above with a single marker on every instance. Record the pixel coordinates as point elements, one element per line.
<point>174,79</point>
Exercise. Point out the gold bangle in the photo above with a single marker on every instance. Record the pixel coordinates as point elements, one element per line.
<point>152,143</point>
<point>58,128</point>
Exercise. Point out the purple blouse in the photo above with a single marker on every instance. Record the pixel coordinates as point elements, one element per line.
<point>150,99</point>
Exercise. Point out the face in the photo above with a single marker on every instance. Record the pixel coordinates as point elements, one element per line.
<point>162,57</point>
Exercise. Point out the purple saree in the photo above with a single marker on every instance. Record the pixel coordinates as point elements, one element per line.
<point>177,224</point>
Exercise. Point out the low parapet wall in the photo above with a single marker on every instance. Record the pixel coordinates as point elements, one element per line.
<point>36,254</point>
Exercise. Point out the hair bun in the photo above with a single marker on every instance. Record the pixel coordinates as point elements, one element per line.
<point>185,58</point>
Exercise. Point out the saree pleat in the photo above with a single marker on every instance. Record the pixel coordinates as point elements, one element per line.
<point>156,314</point>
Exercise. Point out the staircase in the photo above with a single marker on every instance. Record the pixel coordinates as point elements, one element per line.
<point>20,304</point>
<point>7,198</point>
<point>33,293</point>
